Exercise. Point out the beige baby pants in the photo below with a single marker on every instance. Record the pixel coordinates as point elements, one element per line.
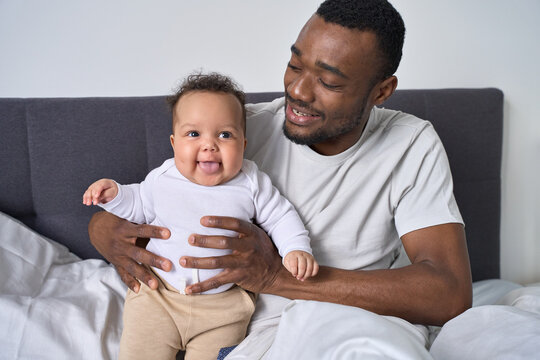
<point>159,323</point>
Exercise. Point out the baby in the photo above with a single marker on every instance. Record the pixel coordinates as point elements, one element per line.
<point>208,176</point>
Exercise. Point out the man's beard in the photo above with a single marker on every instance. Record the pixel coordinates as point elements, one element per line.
<point>322,135</point>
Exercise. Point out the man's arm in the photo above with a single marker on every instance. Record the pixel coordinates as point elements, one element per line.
<point>433,289</point>
<point>117,240</point>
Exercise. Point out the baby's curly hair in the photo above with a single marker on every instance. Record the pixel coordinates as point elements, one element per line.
<point>377,16</point>
<point>211,82</point>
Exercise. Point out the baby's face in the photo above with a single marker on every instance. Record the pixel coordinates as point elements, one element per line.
<point>208,138</point>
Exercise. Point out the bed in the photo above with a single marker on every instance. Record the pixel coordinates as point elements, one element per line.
<point>58,297</point>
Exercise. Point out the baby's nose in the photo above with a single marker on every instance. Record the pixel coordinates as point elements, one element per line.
<point>209,145</point>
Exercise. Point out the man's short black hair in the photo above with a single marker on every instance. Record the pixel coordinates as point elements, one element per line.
<point>377,16</point>
<point>211,82</point>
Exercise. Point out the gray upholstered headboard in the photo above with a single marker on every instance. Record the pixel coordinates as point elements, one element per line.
<point>52,149</point>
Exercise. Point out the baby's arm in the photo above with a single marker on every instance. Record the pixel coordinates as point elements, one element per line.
<point>301,264</point>
<point>100,192</point>
<point>277,216</point>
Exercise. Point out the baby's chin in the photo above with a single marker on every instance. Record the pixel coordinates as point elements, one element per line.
<point>211,180</point>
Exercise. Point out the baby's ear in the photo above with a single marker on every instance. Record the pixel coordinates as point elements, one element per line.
<point>172,141</point>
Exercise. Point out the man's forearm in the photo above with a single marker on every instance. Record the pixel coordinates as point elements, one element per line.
<point>417,293</point>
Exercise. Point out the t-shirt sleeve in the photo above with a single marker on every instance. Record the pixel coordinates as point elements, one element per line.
<point>277,216</point>
<point>422,186</point>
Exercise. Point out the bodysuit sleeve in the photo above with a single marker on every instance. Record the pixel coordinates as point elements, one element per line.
<point>277,216</point>
<point>134,201</point>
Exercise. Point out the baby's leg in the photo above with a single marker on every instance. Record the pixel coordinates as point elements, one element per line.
<point>219,320</point>
<point>149,331</point>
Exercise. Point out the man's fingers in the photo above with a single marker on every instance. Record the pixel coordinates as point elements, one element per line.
<point>219,242</point>
<point>143,256</point>
<point>229,223</point>
<point>209,284</point>
<point>214,262</point>
<point>129,280</point>
<point>151,231</point>
<point>140,272</point>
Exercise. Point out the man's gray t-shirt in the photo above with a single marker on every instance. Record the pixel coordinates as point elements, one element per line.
<point>356,205</point>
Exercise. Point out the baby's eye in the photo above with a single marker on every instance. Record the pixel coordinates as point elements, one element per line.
<point>225,135</point>
<point>193,134</point>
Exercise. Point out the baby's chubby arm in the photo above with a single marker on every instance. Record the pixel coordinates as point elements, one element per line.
<point>100,192</point>
<point>301,264</point>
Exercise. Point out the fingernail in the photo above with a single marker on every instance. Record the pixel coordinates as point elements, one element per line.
<point>183,262</point>
<point>164,265</point>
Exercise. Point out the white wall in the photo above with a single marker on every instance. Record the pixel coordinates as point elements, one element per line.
<point>489,43</point>
<point>115,48</point>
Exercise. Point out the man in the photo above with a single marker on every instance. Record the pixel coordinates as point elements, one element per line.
<point>362,179</point>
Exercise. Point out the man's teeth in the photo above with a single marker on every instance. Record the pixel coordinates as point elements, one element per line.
<point>298,113</point>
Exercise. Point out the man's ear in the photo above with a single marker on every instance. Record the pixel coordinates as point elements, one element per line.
<point>385,89</point>
<point>245,143</point>
<point>172,141</point>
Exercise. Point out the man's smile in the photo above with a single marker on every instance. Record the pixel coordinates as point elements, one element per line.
<point>300,116</point>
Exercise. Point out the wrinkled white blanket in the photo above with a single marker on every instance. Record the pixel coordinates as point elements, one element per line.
<point>52,304</point>
<point>508,329</point>
<point>55,306</point>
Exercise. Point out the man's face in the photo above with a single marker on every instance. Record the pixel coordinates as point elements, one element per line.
<point>329,85</point>
<point>208,139</point>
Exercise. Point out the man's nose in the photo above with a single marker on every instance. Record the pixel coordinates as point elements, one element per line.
<point>301,88</point>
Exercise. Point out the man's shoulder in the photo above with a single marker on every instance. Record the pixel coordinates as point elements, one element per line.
<point>399,123</point>
<point>265,109</point>
<point>264,122</point>
<point>389,118</point>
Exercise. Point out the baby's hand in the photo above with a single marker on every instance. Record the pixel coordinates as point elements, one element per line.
<point>102,191</point>
<point>301,264</point>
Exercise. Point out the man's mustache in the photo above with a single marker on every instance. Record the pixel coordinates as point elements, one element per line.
<point>302,104</point>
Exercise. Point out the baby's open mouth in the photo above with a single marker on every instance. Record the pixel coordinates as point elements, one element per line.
<point>209,167</point>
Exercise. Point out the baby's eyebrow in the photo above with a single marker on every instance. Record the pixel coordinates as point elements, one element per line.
<point>189,125</point>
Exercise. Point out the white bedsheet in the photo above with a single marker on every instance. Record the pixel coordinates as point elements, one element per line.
<point>52,304</point>
<point>508,329</point>
<point>55,306</point>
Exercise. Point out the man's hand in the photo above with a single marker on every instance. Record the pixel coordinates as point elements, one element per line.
<point>116,239</point>
<point>254,263</point>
